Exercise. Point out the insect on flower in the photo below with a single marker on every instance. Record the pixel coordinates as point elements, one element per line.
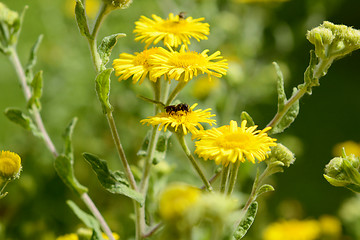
<point>182,15</point>
<point>172,109</point>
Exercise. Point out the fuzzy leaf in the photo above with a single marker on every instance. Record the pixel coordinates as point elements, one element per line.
<point>263,189</point>
<point>280,87</point>
<point>81,19</point>
<point>113,182</point>
<point>161,146</point>
<point>87,219</point>
<point>288,118</point>
<point>18,117</point>
<point>37,86</point>
<point>246,222</point>
<point>64,168</point>
<point>248,118</point>
<point>106,46</point>
<point>32,60</point>
<point>309,80</point>
<point>103,89</point>
<point>67,135</point>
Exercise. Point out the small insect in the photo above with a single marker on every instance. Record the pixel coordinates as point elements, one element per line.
<point>171,109</point>
<point>182,15</point>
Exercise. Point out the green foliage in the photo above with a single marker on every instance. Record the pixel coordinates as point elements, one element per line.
<point>81,19</point>
<point>67,135</point>
<point>160,149</point>
<point>114,182</point>
<point>246,222</point>
<point>64,168</point>
<point>37,87</point>
<point>18,117</point>
<point>263,189</point>
<point>103,89</point>
<point>249,121</point>
<point>32,59</point>
<point>107,45</point>
<point>87,219</point>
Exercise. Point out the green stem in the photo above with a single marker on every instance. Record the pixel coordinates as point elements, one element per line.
<point>14,59</point>
<point>91,206</point>
<point>319,70</point>
<point>121,151</point>
<point>184,146</point>
<point>224,178</point>
<point>103,12</point>
<point>233,176</point>
<point>174,93</point>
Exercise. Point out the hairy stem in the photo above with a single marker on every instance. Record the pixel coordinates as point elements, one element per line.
<point>224,178</point>
<point>184,146</point>
<point>233,176</point>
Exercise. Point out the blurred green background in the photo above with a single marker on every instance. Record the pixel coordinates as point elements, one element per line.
<point>250,35</point>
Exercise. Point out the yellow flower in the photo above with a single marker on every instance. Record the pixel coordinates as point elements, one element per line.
<point>187,120</point>
<point>184,65</point>
<point>174,31</point>
<point>176,199</point>
<point>230,143</point>
<point>136,65</point>
<point>10,165</point>
<point>115,235</point>
<point>71,236</point>
<point>330,226</point>
<point>351,147</point>
<point>292,230</point>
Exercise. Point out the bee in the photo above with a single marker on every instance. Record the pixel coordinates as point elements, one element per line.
<point>171,109</point>
<point>182,15</point>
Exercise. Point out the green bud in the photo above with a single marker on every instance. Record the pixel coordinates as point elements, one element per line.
<point>122,4</point>
<point>334,41</point>
<point>344,172</point>
<point>7,16</point>
<point>9,26</point>
<point>282,154</point>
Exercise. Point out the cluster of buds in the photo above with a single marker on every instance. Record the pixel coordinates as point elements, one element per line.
<point>9,27</point>
<point>344,172</point>
<point>333,41</point>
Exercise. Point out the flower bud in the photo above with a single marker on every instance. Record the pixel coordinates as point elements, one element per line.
<point>122,4</point>
<point>334,41</point>
<point>10,165</point>
<point>282,154</point>
<point>176,200</point>
<point>7,16</point>
<point>344,172</point>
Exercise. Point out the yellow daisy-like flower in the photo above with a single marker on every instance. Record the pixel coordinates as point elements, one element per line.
<point>231,143</point>
<point>184,65</point>
<point>174,31</point>
<point>293,230</point>
<point>188,121</point>
<point>71,236</point>
<point>136,65</point>
<point>10,165</point>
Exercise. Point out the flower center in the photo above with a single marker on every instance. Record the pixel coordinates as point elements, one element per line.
<point>188,59</point>
<point>175,27</point>
<point>235,140</point>
<point>143,57</point>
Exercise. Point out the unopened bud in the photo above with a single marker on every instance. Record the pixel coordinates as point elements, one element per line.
<point>121,4</point>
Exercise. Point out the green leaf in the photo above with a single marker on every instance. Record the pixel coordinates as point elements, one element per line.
<point>32,60</point>
<point>18,117</point>
<point>81,19</point>
<point>64,168</point>
<point>106,46</point>
<point>161,146</point>
<point>67,135</point>
<point>87,219</point>
<point>309,80</point>
<point>263,189</point>
<point>37,86</point>
<point>248,118</point>
<point>280,87</point>
<point>103,89</point>
<point>351,172</point>
<point>246,222</point>
<point>288,118</point>
<point>113,182</point>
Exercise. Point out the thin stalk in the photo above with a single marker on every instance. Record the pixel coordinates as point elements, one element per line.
<point>233,176</point>
<point>184,146</point>
<point>318,72</point>
<point>153,230</point>
<point>224,177</point>
<point>93,209</point>
<point>121,151</point>
<point>14,59</point>
<point>175,92</point>
<point>212,179</point>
